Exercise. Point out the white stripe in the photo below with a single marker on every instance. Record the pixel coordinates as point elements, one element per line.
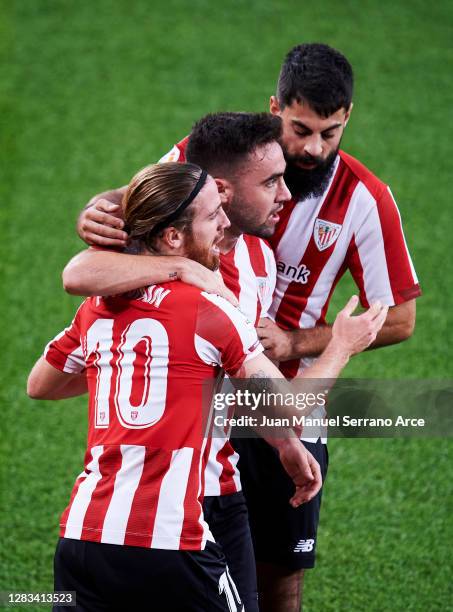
<point>236,476</point>
<point>171,156</point>
<point>81,501</point>
<point>75,362</point>
<point>214,468</point>
<point>207,535</point>
<point>170,506</point>
<point>247,280</point>
<point>207,352</point>
<point>414,274</point>
<point>370,246</point>
<point>126,483</point>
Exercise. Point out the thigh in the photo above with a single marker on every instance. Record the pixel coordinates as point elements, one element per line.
<point>282,535</point>
<point>227,517</point>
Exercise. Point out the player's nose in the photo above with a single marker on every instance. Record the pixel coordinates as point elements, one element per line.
<point>283,193</point>
<point>224,222</point>
<point>313,146</point>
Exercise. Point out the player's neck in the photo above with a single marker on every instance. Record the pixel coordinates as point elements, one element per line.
<point>231,236</point>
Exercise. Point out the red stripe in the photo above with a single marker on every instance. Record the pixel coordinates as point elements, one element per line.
<point>141,521</point>
<point>227,484</point>
<point>192,530</point>
<point>217,328</point>
<point>109,464</point>
<point>229,272</point>
<point>355,265</point>
<point>256,255</point>
<point>333,209</point>
<point>226,479</point>
<point>289,368</point>
<point>182,145</point>
<point>285,214</point>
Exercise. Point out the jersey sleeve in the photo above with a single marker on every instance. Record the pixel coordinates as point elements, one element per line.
<point>378,257</point>
<point>65,351</point>
<point>176,153</point>
<point>271,271</point>
<point>224,336</point>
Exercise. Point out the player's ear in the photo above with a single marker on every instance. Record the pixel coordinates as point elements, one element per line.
<point>274,106</point>
<point>172,238</point>
<point>348,114</point>
<point>225,190</point>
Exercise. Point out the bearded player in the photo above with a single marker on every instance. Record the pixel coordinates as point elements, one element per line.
<point>241,151</point>
<point>341,217</point>
<point>134,526</point>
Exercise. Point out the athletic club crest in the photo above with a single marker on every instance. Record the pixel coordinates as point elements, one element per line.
<point>263,289</point>
<point>325,233</point>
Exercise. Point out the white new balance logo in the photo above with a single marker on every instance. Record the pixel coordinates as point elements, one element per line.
<point>304,546</point>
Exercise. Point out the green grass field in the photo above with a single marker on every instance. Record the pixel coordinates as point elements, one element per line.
<point>92,91</point>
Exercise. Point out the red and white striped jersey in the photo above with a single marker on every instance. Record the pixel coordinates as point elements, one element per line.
<point>147,371</point>
<point>177,153</point>
<point>354,225</point>
<point>249,271</point>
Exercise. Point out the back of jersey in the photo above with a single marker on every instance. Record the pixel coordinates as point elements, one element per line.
<point>148,361</point>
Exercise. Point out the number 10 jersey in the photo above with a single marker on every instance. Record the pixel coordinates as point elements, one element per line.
<point>151,366</point>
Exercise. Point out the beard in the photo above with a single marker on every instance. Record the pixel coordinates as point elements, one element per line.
<point>202,254</point>
<point>306,183</point>
<point>243,217</point>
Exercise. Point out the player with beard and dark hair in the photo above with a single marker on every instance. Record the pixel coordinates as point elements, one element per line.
<point>319,79</point>
<point>341,217</point>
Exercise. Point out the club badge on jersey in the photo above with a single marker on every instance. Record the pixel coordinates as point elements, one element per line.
<point>325,233</point>
<point>264,289</point>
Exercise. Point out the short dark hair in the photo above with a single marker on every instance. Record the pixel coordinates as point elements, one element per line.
<point>220,142</point>
<point>318,75</point>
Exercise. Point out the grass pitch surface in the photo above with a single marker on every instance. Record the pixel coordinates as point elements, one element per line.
<point>93,91</point>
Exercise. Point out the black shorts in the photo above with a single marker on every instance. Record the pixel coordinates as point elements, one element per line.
<point>228,521</point>
<point>281,534</point>
<point>118,578</point>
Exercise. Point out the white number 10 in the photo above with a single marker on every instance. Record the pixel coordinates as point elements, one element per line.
<point>154,338</point>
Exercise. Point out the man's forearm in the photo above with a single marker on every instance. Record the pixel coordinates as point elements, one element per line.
<point>309,342</point>
<point>48,383</point>
<point>94,272</point>
<point>398,326</point>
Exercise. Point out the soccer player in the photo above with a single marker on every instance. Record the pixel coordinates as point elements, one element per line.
<point>133,534</point>
<point>341,217</point>
<point>241,151</point>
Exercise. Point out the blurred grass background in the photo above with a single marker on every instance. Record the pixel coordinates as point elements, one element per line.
<point>90,92</point>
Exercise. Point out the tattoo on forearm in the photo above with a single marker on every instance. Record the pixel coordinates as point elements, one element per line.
<point>260,381</point>
<point>173,276</point>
